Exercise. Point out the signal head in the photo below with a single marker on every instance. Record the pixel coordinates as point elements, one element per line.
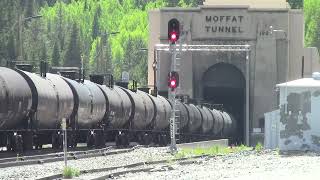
<point>173,30</point>
<point>173,80</point>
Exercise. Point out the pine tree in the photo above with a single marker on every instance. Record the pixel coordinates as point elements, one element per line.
<point>43,55</point>
<point>73,55</point>
<point>55,55</point>
<point>296,4</point>
<point>95,25</point>
<point>60,26</point>
<point>107,57</point>
<point>85,6</point>
<point>11,49</point>
<point>30,5</point>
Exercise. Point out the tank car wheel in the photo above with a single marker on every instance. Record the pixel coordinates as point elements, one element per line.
<point>56,141</point>
<point>163,140</point>
<point>74,142</point>
<point>99,140</point>
<point>125,139</point>
<point>117,140</point>
<point>18,144</point>
<point>147,139</point>
<point>9,143</point>
<point>90,139</point>
<point>28,140</point>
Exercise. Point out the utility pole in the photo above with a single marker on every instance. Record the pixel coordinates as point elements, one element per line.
<point>20,34</point>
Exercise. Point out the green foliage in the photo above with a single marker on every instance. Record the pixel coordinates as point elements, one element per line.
<point>70,29</point>
<point>214,150</point>
<point>312,22</point>
<point>73,55</point>
<point>69,172</point>
<point>296,4</point>
<point>55,55</point>
<point>258,147</point>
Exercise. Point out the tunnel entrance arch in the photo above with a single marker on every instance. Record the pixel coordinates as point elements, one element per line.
<point>225,84</point>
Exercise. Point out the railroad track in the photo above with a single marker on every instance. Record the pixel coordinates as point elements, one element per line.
<point>54,157</point>
<point>145,166</point>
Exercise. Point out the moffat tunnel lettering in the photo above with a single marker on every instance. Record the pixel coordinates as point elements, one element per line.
<point>224,24</point>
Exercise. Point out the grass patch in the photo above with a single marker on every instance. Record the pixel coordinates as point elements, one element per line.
<point>69,172</point>
<point>259,147</point>
<point>214,150</point>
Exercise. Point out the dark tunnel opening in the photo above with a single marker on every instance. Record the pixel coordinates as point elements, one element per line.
<point>225,84</point>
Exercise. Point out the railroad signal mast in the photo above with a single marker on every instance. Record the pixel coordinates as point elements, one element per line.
<point>174,30</point>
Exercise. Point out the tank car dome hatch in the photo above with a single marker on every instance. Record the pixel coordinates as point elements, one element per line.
<point>15,99</point>
<point>118,107</point>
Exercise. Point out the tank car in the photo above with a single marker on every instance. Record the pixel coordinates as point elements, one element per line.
<point>161,119</point>
<point>88,113</point>
<point>15,105</point>
<point>33,118</point>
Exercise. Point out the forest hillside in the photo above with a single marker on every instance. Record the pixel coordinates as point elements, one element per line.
<point>110,36</point>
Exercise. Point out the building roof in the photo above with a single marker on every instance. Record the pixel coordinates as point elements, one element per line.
<point>305,82</point>
<point>251,3</point>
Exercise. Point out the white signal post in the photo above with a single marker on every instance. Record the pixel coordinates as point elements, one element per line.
<point>64,128</point>
<point>172,97</point>
<point>172,91</point>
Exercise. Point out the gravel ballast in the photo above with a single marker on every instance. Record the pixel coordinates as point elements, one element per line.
<point>242,166</point>
<point>48,169</point>
<point>245,165</point>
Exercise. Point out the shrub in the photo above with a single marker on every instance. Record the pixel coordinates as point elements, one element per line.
<point>259,147</point>
<point>69,172</point>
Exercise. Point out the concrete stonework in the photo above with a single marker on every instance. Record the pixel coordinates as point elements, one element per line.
<point>272,34</point>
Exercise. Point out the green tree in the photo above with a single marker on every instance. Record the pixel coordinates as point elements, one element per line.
<point>30,6</point>
<point>312,22</point>
<point>73,54</point>
<point>55,55</point>
<point>11,49</point>
<point>296,4</point>
<point>60,25</point>
<point>43,56</point>
<point>95,25</point>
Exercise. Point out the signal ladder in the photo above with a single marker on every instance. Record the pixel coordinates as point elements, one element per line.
<point>175,118</point>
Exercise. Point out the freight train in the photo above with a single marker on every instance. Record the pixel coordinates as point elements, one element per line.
<point>33,107</point>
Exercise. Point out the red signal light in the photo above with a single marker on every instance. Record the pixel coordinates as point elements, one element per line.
<point>173,80</point>
<point>173,36</point>
<point>173,30</point>
<point>173,83</point>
